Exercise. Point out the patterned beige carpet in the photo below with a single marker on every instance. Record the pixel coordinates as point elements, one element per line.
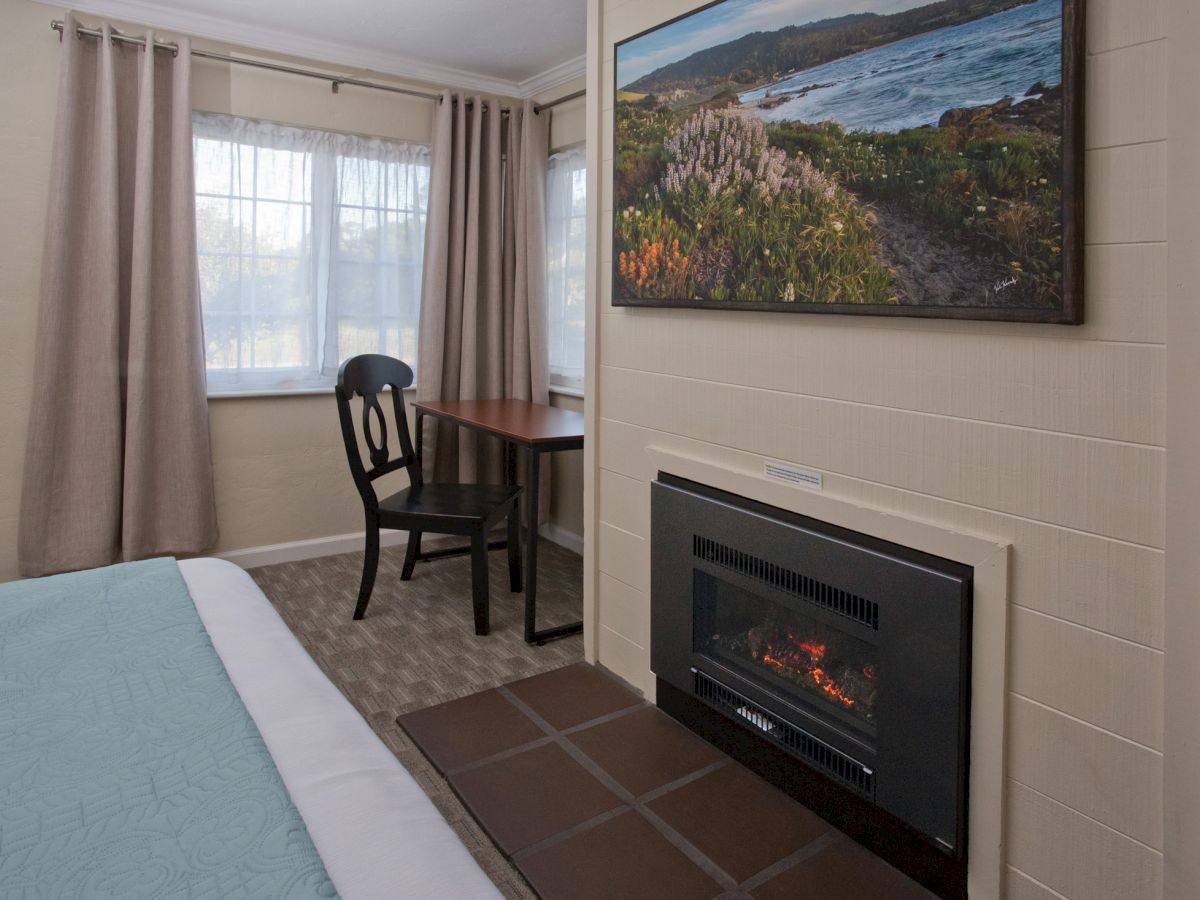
<point>416,647</point>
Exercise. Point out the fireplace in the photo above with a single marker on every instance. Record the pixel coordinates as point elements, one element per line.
<point>834,663</point>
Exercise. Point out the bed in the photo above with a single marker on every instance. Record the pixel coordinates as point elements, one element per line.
<point>375,831</point>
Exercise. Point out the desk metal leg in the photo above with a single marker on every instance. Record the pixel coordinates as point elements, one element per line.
<point>532,483</point>
<point>419,450</point>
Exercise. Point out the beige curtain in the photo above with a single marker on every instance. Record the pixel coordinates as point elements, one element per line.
<point>117,464</point>
<point>483,298</point>
<point>527,375</point>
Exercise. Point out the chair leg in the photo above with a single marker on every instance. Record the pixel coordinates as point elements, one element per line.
<point>370,565</point>
<point>479,580</point>
<point>514,547</point>
<point>411,552</point>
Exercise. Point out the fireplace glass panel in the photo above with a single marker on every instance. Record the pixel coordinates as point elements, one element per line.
<point>829,667</point>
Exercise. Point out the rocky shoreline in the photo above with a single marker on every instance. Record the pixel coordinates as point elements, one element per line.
<point>1040,109</point>
<point>771,100</point>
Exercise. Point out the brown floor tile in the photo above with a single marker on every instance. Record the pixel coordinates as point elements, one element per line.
<point>624,857</point>
<point>842,871</point>
<point>528,797</point>
<point>573,695</point>
<point>472,728</point>
<point>738,820</point>
<point>644,750</point>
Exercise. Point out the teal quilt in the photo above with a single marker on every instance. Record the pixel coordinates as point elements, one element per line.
<point>129,767</point>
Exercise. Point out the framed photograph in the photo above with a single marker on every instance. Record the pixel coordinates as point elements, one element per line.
<point>882,157</point>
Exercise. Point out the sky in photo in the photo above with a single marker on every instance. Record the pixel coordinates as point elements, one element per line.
<point>731,20</point>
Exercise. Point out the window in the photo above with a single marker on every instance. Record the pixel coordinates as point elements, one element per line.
<point>310,246</point>
<point>566,260</point>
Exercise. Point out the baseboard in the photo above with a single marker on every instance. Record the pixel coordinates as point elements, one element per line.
<point>559,535</point>
<point>311,548</point>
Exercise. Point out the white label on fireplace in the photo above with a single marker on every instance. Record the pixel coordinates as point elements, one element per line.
<point>792,474</point>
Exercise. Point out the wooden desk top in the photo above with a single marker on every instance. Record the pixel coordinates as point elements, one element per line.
<point>518,420</point>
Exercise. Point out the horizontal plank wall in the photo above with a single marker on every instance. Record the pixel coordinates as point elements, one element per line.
<point>1181,744</point>
<point>1047,437</point>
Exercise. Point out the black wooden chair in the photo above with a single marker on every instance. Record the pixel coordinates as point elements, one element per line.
<point>471,510</point>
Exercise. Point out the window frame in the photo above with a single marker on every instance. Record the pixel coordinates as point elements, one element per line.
<point>561,383</point>
<point>322,204</point>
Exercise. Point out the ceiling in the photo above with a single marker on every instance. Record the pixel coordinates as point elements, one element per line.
<point>515,47</point>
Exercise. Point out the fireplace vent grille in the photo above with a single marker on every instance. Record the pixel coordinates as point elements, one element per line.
<point>832,762</point>
<point>806,588</point>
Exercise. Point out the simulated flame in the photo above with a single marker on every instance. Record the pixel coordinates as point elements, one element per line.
<point>810,664</point>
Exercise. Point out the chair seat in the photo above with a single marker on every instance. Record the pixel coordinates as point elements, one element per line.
<point>455,505</point>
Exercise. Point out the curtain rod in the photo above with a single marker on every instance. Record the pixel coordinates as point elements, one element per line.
<point>335,81</point>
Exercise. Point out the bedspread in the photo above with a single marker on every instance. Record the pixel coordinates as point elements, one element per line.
<point>129,767</point>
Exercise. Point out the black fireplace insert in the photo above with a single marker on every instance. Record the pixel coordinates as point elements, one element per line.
<point>846,655</point>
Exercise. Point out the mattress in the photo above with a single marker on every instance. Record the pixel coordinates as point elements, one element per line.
<point>377,832</point>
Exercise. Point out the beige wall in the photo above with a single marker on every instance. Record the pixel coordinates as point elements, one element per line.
<point>1181,738</point>
<point>27,109</point>
<point>1049,438</point>
<point>568,125</point>
<point>280,468</point>
<point>567,129</point>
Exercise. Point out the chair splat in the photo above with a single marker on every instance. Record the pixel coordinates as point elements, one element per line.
<point>378,449</point>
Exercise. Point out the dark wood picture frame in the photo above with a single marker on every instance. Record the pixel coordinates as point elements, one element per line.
<point>1069,309</point>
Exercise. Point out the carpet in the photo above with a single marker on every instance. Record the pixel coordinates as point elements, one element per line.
<point>416,648</point>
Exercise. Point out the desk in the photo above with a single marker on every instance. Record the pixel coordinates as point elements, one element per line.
<point>538,429</point>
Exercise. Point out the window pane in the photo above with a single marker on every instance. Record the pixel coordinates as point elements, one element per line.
<point>566,262</point>
<point>223,225</point>
<point>281,229</point>
<point>281,286</point>
<point>282,342</point>
<point>283,175</point>
<point>356,288</point>
<point>309,249</point>
<point>356,233</point>
<point>220,341</point>
<point>377,255</point>
<point>221,283</point>
<point>359,336</point>
<point>402,339</point>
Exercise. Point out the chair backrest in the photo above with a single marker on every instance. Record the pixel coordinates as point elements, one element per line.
<point>366,376</point>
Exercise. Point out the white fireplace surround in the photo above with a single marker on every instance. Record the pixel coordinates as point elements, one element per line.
<point>988,558</point>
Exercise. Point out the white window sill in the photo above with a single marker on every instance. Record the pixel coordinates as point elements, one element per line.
<point>290,392</point>
<point>560,389</point>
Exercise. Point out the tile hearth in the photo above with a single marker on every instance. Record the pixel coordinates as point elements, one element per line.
<point>593,793</point>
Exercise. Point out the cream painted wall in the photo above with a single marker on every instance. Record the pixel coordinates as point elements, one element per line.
<point>280,468</point>
<point>27,108</point>
<point>568,125</point>
<point>1181,675</point>
<point>1048,438</point>
<point>566,496</point>
<point>567,129</point>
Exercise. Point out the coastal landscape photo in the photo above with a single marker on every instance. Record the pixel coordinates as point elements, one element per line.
<point>886,156</point>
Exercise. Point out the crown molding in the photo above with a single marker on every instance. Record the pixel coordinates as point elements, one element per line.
<point>563,73</point>
<point>278,41</point>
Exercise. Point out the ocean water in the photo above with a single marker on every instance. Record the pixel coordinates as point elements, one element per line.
<point>912,82</point>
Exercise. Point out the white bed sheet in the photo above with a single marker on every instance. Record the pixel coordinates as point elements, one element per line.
<point>377,832</point>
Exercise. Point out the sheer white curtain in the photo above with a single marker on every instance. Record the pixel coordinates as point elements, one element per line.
<point>566,261</point>
<point>309,245</point>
